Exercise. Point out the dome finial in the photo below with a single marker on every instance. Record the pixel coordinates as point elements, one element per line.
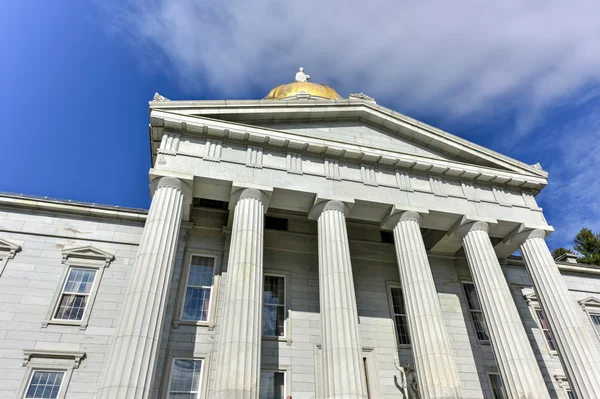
<point>301,76</point>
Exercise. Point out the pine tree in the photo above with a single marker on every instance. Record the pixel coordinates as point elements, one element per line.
<point>588,245</point>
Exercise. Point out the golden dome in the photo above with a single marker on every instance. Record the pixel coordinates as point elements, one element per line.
<point>303,87</point>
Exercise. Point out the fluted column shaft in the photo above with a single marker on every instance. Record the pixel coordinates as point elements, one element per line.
<point>578,355</point>
<point>130,371</point>
<point>434,364</point>
<point>237,373</point>
<point>343,369</point>
<point>516,361</point>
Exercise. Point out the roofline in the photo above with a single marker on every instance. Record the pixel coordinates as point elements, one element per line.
<point>343,103</point>
<point>45,204</point>
<point>564,267</point>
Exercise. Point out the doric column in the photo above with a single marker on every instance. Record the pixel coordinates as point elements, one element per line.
<point>130,371</point>
<point>516,361</point>
<point>343,370</point>
<point>237,372</point>
<point>434,364</point>
<point>578,355</point>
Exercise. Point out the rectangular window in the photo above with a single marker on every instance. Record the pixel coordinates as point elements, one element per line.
<point>545,329</point>
<point>272,385</point>
<point>75,294</point>
<point>476,312</point>
<point>596,321</point>
<point>44,384</point>
<point>570,394</point>
<point>399,314</point>
<point>186,379</point>
<point>274,306</point>
<point>199,288</point>
<point>497,386</point>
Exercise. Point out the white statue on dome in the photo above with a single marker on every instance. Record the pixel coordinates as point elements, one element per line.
<point>301,76</point>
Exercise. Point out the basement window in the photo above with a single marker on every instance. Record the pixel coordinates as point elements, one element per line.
<point>274,223</point>
<point>208,203</point>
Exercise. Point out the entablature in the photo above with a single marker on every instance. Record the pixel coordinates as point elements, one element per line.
<point>368,157</point>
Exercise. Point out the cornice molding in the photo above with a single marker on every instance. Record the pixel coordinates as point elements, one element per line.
<point>253,135</point>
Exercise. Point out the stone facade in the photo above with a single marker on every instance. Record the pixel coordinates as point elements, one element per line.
<point>359,202</point>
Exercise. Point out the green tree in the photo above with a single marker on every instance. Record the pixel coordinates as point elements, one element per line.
<point>559,251</point>
<point>588,245</point>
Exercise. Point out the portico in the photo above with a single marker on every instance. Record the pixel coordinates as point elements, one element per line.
<point>352,161</point>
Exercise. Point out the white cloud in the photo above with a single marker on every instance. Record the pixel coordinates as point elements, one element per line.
<point>454,58</point>
<point>571,200</point>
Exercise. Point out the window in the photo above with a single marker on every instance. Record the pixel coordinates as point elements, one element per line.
<point>387,236</point>
<point>570,394</point>
<point>198,292</point>
<point>186,379</point>
<point>272,384</point>
<point>497,386</point>
<point>75,294</point>
<point>44,384</point>
<point>545,329</point>
<point>476,312</point>
<point>596,322</point>
<point>48,373</point>
<point>274,306</point>
<point>208,203</point>
<point>399,314</point>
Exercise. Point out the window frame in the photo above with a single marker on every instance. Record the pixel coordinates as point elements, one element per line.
<point>173,355</point>
<point>491,385</point>
<point>591,306</point>
<point>390,286</point>
<point>183,284</point>
<point>8,250</point>
<point>287,328</point>
<point>534,307</point>
<point>53,361</point>
<point>287,378</point>
<point>85,257</point>
<point>471,311</point>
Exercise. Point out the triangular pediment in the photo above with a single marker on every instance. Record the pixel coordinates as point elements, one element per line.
<point>9,247</point>
<point>361,133</point>
<point>346,130</point>
<point>590,301</point>
<point>386,121</point>
<point>87,252</point>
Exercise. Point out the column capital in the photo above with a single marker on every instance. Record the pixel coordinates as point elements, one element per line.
<point>466,224</point>
<point>259,192</point>
<point>403,212</point>
<point>342,204</point>
<point>518,236</point>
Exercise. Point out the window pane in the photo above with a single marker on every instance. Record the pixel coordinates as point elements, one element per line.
<point>545,328</point>
<point>273,320</point>
<point>596,322</point>
<point>398,301</point>
<point>570,394</point>
<point>185,378</point>
<point>497,387</point>
<point>196,304</point>
<point>45,384</point>
<point>201,271</point>
<point>272,385</point>
<point>71,307</point>
<point>402,330</point>
<point>480,326</point>
<point>274,290</point>
<point>80,281</point>
<point>472,298</point>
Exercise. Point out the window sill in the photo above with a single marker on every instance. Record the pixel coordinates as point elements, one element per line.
<point>403,346</point>
<point>209,324</point>
<point>288,340</point>
<point>82,324</point>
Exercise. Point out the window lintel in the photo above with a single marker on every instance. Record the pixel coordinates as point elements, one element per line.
<point>75,356</point>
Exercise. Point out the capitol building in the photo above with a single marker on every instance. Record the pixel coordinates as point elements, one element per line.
<point>299,246</point>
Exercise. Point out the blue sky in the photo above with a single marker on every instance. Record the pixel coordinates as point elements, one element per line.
<point>76,76</point>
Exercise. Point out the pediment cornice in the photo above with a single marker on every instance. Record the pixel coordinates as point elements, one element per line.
<point>208,127</point>
<point>260,111</point>
<point>88,252</point>
<point>590,302</point>
<point>10,247</point>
